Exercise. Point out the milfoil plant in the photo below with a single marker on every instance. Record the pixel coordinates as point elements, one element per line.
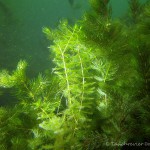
<point>96,95</point>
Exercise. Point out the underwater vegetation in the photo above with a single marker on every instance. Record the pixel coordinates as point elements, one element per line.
<point>96,97</point>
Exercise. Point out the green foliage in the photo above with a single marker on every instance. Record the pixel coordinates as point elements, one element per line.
<point>7,80</point>
<point>101,7</point>
<point>135,9</point>
<point>15,126</point>
<point>96,94</point>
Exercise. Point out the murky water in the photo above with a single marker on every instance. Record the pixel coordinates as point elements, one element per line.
<point>21,23</point>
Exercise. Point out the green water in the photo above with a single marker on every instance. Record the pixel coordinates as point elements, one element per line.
<point>21,23</point>
<point>21,30</point>
<point>86,86</point>
<point>120,7</point>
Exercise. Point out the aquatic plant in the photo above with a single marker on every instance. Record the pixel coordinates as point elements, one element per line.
<point>95,96</point>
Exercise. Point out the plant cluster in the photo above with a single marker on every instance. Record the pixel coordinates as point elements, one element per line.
<point>97,93</point>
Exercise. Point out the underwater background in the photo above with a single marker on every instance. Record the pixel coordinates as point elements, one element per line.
<point>74,74</point>
<point>21,23</point>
